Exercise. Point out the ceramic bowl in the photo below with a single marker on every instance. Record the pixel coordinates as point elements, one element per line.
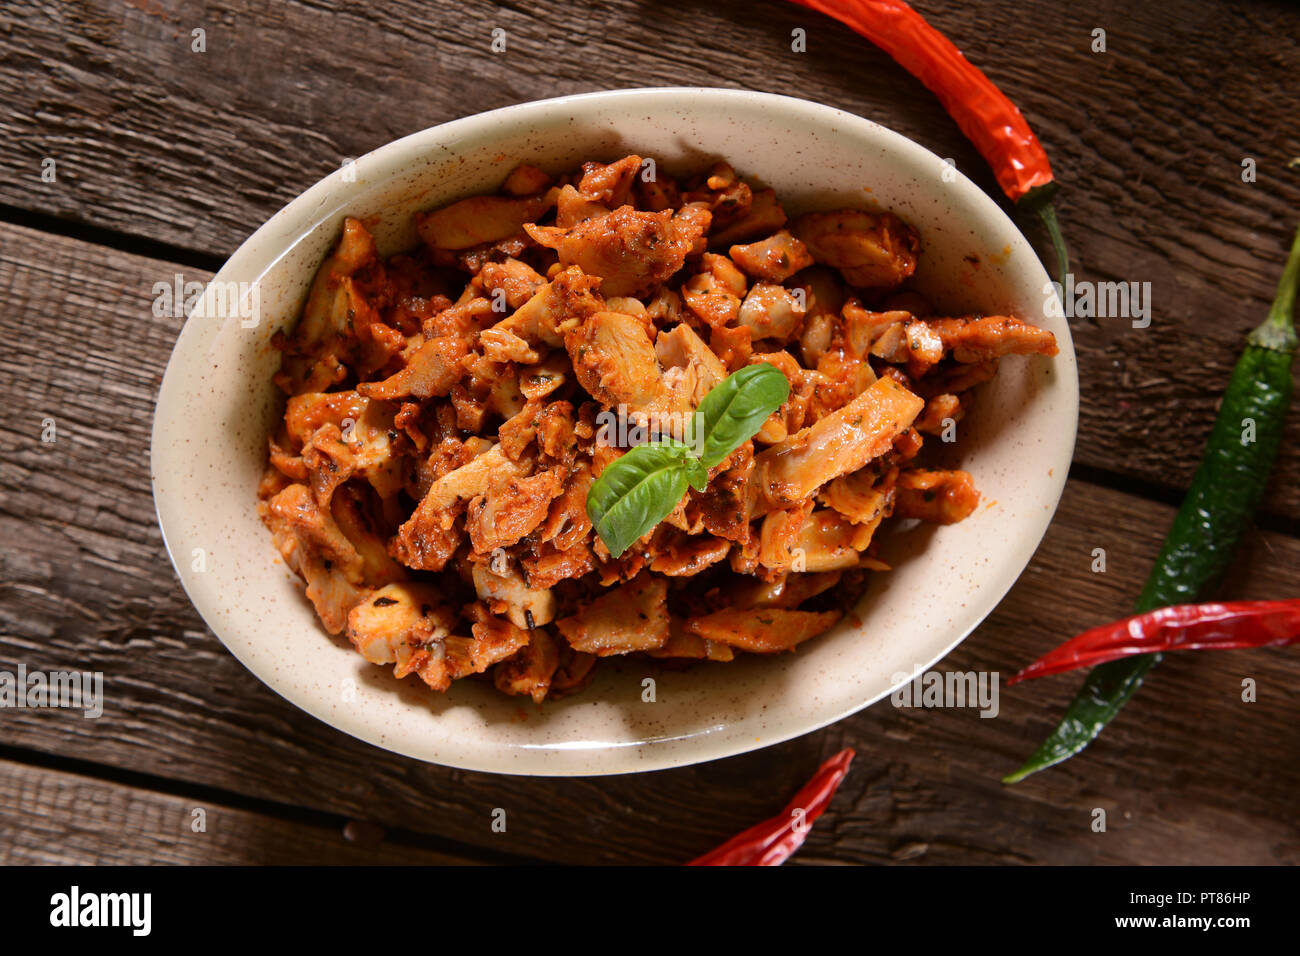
<point>217,404</point>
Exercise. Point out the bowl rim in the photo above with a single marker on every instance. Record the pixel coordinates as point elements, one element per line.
<point>326,198</point>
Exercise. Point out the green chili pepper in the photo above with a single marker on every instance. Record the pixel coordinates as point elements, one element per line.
<point>1208,527</point>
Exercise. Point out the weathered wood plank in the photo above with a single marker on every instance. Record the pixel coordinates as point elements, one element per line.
<point>54,817</point>
<point>1148,138</point>
<point>1189,773</point>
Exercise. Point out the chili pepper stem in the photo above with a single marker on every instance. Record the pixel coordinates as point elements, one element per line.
<point>1038,201</point>
<point>1277,332</point>
<point>1047,213</point>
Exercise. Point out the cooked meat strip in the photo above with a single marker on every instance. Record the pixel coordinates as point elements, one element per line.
<point>789,472</point>
<point>450,407</point>
<point>763,630</point>
<point>872,250</point>
<point>631,617</point>
<point>944,497</point>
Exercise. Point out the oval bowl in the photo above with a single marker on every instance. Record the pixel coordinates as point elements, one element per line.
<point>217,403</point>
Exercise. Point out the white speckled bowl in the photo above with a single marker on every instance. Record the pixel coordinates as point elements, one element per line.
<point>217,403</point>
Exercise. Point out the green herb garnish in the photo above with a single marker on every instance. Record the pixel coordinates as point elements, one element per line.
<point>640,489</point>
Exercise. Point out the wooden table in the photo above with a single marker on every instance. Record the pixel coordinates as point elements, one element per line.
<point>165,159</point>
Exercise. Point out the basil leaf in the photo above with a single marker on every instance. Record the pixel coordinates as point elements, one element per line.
<point>636,492</point>
<point>696,473</point>
<point>735,409</point>
<point>640,489</point>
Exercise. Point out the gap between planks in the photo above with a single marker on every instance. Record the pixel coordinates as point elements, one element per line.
<point>87,817</point>
<point>1147,139</point>
<point>84,560</point>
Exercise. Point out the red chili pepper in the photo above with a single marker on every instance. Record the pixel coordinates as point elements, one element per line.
<point>983,113</point>
<point>770,843</point>
<point>1183,627</point>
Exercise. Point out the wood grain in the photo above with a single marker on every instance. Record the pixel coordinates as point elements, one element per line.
<point>49,816</point>
<point>197,149</point>
<point>1189,773</point>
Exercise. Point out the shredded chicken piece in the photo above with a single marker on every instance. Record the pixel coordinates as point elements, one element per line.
<point>614,359</point>
<point>991,337</point>
<point>312,545</point>
<point>789,472</point>
<point>682,644</point>
<point>632,617</point>
<point>472,478</point>
<point>763,216</point>
<point>609,184</point>
<point>511,508</point>
<point>773,259</point>
<point>862,327</point>
<point>306,412</point>
<point>872,250</point>
<point>308,367</point>
<point>480,219</point>
<point>944,497</point>
<point>863,497</point>
<point>571,208</point>
<point>495,640</point>
<point>398,624</point>
<point>710,300</point>
<point>354,512</point>
<point>763,630</point>
<point>516,281</point>
<point>567,523</point>
<point>530,671</point>
<point>940,410</point>
<point>728,198</point>
<point>507,590</point>
<point>569,298</point>
<point>780,539</point>
<point>724,505</point>
<point>632,252</point>
<point>502,345</point>
<point>732,346</point>
<point>892,344</point>
<point>450,408</point>
<point>830,542</point>
<point>784,590</point>
<point>432,369</point>
<point>548,565</point>
<point>429,538</point>
<point>327,462</point>
<point>526,180</point>
<point>843,373</point>
<point>518,432</point>
<point>691,369</point>
<point>772,312</point>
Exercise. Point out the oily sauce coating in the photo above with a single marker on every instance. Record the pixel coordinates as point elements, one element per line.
<point>449,407</point>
